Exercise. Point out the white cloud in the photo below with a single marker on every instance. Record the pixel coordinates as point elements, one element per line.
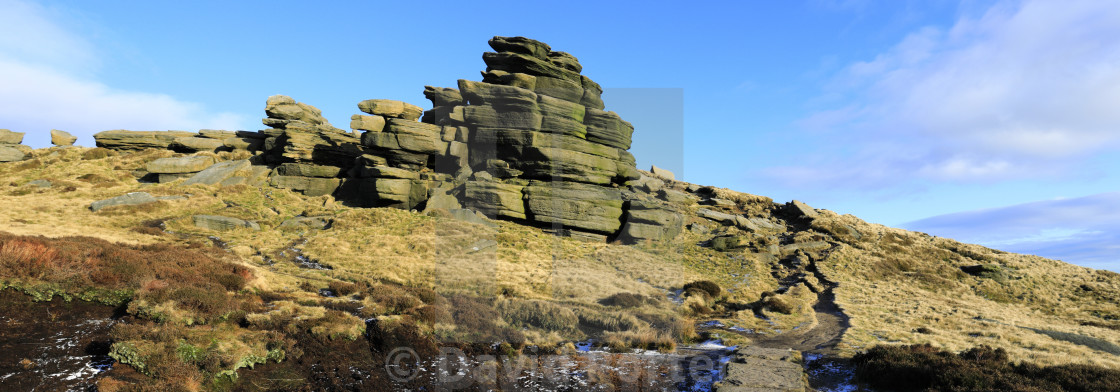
<point>45,83</point>
<point>1022,90</point>
<point>1083,230</point>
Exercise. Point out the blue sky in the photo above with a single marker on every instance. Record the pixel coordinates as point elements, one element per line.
<point>957,118</point>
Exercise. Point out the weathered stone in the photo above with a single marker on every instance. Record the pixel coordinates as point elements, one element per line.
<point>417,136</point>
<point>41,183</point>
<point>310,186</point>
<point>580,206</point>
<point>223,223</point>
<point>188,164</point>
<point>565,89</point>
<point>648,184</point>
<point>674,196</point>
<point>197,144</point>
<point>521,80</point>
<point>400,193</point>
<point>520,63</point>
<point>499,96</point>
<point>494,199</point>
<point>443,96</point>
<point>9,137</point>
<point>218,172</point>
<point>137,140</point>
<point>391,108</point>
<point>662,173</point>
<point>327,148</point>
<point>609,129</point>
<point>8,153</point>
<point>725,243</point>
<point>217,133</point>
<point>521,45</point>
<point>164,178</point>
<point>308,170</point>
<point>491,117</point>
<point>307,222</point>
<point>650,221</point>
<point>62,138</point>
<point>130,199</point>
<point>802,210</point>
<point>243,143</point>
<point>565,60</point>
<point>367,123</point>
<point>388,172</point>
<point>442,200</point>
<point>471,216</point>
<point>592,93</point>
<point>726,219</point>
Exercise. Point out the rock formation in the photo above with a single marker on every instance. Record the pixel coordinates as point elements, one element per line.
<point>62,138</point>
<point>10,148</point>
<point>530,142</point>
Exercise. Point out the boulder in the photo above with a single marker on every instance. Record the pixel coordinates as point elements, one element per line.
<point>400,193</point>
<point>580,206</point>
<point>178,165</point>
<point>801,210</point>
<point>197,144</point>
<point>391,108</point>
<point>726,219</point>
<point>137,140</point>
<point>443,96</point>
<point>662,173</point>
<point>359,122</point>
<point>223,223</point>
<point>728,242</point>
<point>62,138</point>
<point>9,137</point>
<point>499,96</point>
<point>41,183</point>
<point>218,172</point>
<point>654,221</point>
<point>494,199</point>
<point>130,199</point>
<point>11,154</point>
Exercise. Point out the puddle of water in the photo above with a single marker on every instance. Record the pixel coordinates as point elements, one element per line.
<point>53,345</point>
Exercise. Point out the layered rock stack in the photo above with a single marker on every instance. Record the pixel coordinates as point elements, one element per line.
<point>531,142</point>
<point>540,145</point>
<point>11,149</point>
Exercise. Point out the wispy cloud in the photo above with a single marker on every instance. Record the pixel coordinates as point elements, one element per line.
<point>1024,89</point>
<point>47,81</point>
<point>1083,230</point>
